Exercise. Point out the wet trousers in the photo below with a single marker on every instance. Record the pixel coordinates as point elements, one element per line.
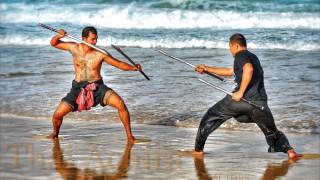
<point>244,113</point>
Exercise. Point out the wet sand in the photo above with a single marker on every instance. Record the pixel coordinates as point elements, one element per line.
<point>99,150</point>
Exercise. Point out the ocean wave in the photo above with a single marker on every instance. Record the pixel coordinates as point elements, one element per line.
<point>23,40</point>
<point>135,17</point>
<point>170,42</point>
<point>242,6</point>
<point>200,5</point>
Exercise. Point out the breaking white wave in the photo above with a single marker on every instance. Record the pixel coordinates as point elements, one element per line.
<point>133,17</point>
<point>169,42</point>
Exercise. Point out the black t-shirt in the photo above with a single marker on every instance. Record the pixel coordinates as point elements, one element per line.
<point>255,89</point>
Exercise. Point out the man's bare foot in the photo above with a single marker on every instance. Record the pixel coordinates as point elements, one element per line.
<point>197,154</point>
<point>52,136</point>
<point>293,155</point>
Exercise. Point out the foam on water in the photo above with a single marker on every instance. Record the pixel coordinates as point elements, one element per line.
<point>291,25</point>
<point>133,17</point>
<point>169,42</point>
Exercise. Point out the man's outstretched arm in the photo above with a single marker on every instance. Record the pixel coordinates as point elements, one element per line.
<point>121,65</point>
<point>201,68</point>
<point>57,43</point>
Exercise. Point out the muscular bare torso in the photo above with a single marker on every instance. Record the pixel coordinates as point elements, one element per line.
<point>87,66</point>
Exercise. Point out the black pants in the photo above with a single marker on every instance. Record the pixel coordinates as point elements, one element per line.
<point>245,113</point>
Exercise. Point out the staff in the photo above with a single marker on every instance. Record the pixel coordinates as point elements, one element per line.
<point>126,56</point>
<point>229,93</point>
<point>90,45</point>
<point>189,64</point>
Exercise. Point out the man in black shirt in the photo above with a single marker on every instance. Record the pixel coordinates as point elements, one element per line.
<point>249,78</point>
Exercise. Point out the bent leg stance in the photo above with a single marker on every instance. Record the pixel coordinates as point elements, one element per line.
<point>215,116</point>
<point>68,103</point>
<point>243,112</point>
<point>113,99</point>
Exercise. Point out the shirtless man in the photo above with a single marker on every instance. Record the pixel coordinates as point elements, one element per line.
<point>88,88</point>
<point>249,78</point>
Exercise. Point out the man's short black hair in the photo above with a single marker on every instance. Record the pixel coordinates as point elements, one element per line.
<point>86,30</point>
<point>238,39</point>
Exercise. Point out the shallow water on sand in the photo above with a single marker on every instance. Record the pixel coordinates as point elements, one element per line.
<point>99,150</point>
<point>33,79</point>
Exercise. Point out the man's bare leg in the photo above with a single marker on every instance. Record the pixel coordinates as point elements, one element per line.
<point>62,109</point>
<point>116,101</point>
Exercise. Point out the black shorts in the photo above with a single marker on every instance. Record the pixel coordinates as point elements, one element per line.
<point>98,94</point>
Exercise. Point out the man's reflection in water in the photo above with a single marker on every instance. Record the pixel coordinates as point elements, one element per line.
<point>70,171</point>
<point>272,172</point>
<point>275,171</point>
<point>201,169</point>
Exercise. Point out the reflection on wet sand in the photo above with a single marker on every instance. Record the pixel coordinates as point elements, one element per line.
<point>70,171</point>
<point>273,171</point>
<point>201,169</point>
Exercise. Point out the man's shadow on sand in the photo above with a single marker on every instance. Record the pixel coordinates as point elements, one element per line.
<point>272,172</point>
<point>70,171</point>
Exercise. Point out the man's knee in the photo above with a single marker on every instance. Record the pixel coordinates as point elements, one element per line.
<point>211,121</point>
<point>212,112</point>
<point>58,114</point>
<point>214,115</point>
<point>121,106</point>
<point>62,110</point>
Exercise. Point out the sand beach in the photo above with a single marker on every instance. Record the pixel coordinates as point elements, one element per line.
<point>98,150</point>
